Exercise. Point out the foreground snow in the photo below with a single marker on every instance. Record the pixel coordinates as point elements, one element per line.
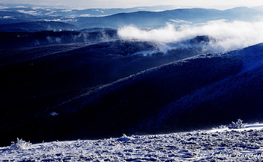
<point>221,144</point>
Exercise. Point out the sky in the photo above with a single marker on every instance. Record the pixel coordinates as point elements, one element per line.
<point>219,4</point>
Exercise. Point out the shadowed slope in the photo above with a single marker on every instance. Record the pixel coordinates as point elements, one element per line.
<point>121,107</point>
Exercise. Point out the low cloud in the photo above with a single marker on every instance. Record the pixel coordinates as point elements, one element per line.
<point>228,35</point>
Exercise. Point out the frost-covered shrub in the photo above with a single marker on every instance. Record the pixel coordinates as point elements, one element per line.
<point>20,145</point>
<point>220,127</point>
<point>237,125</point>
<point>124,138</point>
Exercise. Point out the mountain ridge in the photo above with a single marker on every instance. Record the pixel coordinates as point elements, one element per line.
<point>142,19</point>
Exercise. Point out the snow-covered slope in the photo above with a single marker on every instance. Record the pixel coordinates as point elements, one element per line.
<point>212,145</point>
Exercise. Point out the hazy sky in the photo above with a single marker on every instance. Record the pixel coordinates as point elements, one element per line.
<point>134,3</point>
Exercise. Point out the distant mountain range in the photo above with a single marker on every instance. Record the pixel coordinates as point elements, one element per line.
<point>143,17</point>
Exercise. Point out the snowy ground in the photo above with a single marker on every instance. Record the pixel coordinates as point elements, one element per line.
<point>220,144</point>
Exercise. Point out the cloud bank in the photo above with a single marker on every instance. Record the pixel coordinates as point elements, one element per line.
<point>228,35</point>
